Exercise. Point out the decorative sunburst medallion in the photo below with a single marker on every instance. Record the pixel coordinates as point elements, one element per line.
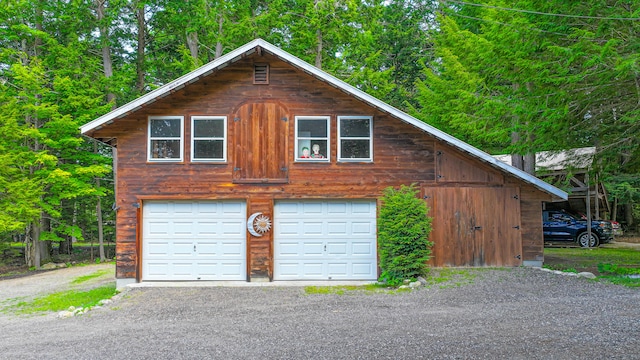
<point>262,224</point>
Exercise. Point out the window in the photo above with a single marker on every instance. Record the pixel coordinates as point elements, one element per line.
<point>312,138</point>
<point>165,138</point>
<point>355,138</point>
<point>209,138</point>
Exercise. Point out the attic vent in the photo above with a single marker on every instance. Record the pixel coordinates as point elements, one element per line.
<point>261,73</point>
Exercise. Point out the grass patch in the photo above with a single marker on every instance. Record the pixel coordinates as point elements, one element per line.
<point>85,278</point>
<point>346,289</point>
<point>441,277</point>
<point>613,265</point>
<point>448,277</point>
<point>63,300</point>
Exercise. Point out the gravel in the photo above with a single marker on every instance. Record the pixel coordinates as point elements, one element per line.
<point>519,313</point>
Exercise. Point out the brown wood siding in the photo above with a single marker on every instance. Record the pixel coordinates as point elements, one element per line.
<point>474,226</point>
<point>259,249</point>
<point>402,154</point>
<point>454,167</point>
<point>532,237</point>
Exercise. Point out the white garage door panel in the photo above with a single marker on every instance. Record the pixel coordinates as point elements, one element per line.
<point>194,240</point>
<point>319,240</point>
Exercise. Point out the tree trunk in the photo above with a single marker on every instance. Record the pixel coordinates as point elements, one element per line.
<point>192,43</point>
<point>628,216</point>
<point>529,161</point>
<point>516,159</point>
<point>100,229</point>
<point>140,70</point>
<point>45,246</point>
<point>219,42</point>
<point>106,49</point>
<point>319,49</point>
<point>99,214</point>
<point>39,20</point>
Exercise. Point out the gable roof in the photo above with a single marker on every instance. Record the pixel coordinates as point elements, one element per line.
<point>261,45</point>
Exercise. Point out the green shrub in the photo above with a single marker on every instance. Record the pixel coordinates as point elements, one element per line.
<point>403,235</point>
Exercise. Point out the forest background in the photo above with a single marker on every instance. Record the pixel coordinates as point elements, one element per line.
<point>513,77</point>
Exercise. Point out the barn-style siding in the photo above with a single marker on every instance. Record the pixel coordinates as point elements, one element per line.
<point>402,154</point>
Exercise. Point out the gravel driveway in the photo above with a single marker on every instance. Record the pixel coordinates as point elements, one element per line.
<point>500,314</point>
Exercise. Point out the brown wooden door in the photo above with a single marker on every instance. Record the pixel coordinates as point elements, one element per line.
<point>475,226</point>
<point>260,144</point>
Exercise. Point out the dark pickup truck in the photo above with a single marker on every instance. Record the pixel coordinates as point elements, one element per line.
<point>562,226</point>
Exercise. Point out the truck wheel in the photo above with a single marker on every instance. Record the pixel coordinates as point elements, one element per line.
<point>585,241</point>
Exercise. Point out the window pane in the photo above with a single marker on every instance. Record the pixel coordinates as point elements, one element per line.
<point>355,127</point>
<point>312,128</point>
<point>165,128</point>
<point>208,128</point>
<point>165,149</point>
<point>312,150</point>
<point>354,149</point>
<point>208,149</point>
<point>319,149</point>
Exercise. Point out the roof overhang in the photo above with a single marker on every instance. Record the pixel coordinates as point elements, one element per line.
<point>260,45</point>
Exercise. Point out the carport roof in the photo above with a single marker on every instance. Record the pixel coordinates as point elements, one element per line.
<point>260,45</point>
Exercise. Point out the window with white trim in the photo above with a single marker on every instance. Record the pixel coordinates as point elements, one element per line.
<point>209,138</point>
<point>355,138</point>
<point>312,138</point>
<point>165,138</point>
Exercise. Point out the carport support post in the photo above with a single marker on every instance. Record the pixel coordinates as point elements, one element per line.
<point>588,203</point>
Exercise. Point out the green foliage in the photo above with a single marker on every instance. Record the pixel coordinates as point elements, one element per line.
<point>403,235</point>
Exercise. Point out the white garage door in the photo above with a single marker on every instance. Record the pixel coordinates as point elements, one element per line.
<point>325,240</point>
<point>194,240</point>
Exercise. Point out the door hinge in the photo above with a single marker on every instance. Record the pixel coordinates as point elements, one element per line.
<point>284,169</point>
<point>518,257</point>
<point>426,197</point>
<point>516,197</point>
<point>236,119</point>
<point>237,169</point>
<point>517,227</point>
<point>477,228</point>
<point>285,119</point>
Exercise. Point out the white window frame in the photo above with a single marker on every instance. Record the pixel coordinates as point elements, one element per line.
<point>298,139</point>
<point>150,158</point>
<point>223,138</point>
<point>340,138</point>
